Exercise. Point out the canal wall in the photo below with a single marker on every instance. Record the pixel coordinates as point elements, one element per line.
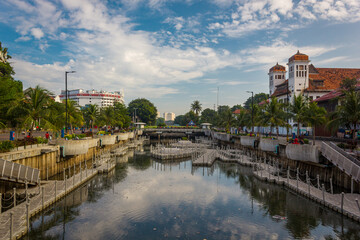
<point>304,157</point>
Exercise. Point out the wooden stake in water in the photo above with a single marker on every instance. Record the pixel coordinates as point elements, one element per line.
<point>323,192</point>
<point>342,202</point>
<point>11,225</point>
<point>331,186</point>
<point>14,197</point>
<point>318,181</point>
<point>27,217</point>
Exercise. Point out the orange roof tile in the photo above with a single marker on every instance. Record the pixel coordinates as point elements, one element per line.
<point>328,79</point>
<point>281,89</point>
<point>299,56</point>
<point>277,68</point>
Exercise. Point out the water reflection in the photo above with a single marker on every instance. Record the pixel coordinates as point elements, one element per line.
<point>144,198</point>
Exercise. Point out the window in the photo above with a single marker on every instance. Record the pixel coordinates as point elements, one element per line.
<point>301,67</point>
<point>311,98</point>
<point>317,97</point>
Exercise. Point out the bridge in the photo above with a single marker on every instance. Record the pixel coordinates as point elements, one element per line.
<point>19,173</point>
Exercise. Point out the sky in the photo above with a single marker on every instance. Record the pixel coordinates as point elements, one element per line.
<point>173,52</point>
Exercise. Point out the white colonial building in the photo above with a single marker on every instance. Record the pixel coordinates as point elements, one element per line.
<point>102,98</point>
<point>305,78</point>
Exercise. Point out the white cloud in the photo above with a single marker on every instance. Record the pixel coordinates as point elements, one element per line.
<point>37,33</point>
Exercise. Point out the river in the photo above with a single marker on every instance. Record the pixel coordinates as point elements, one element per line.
<point>144,198</point>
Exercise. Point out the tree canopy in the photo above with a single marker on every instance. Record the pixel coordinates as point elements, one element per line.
<point>145,110</point>
<point>258,98</point>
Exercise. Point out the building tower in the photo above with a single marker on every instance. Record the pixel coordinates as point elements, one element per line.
<point>298,72</point>
<point>276,76</point>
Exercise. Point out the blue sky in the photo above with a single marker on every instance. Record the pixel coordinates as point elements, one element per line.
<point>174,51</point>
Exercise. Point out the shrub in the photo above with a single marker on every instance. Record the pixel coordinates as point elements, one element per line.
<point>6,146</point>
<point>306,141</point>
<point>41,140</point>
<point>184,138</point>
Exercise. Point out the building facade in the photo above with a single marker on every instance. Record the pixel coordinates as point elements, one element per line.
<point>101,98</point>
<point>169,116</point>
<point>304,78</point>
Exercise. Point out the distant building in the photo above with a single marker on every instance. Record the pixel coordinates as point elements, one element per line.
<point>158,115</point>
<point>305,78</point>
<point>102,98</point>
<point>169,116</point>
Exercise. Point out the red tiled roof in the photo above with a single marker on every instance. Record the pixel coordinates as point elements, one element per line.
<point>238,111</point>
<point>263,102</point>
<point>281,89</point>
<point>277,68</point>
<point>333,94</point>
<point>329,79</point>
<point>298,56</point>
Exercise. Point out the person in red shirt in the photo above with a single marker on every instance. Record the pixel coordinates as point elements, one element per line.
<point>47,135</point>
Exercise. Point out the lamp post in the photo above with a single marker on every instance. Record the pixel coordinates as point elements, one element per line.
<point>252,110</point>
<point>66,100</point>
<point>287,111</point>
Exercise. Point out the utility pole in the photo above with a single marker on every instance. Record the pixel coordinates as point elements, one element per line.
<point>217,100</point>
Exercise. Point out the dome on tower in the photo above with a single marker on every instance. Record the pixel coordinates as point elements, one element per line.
<point>277,68</point>
<point>299,56</point>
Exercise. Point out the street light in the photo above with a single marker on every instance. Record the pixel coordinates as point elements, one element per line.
<point>252,110</point>
<point>66,100</point>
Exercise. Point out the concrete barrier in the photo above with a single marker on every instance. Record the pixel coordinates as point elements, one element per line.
<point>268,145</point>
<point>305,152</point>
<point>107,139</point>
<point>222,136</point>
<point>131,135</point>
<point>123,136</point>
<point>247,141</point>
<point>74,147</point>
<point>93,142</point>
<point>140,132</point>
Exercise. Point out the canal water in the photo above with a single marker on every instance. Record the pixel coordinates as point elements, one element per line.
<point>144,198</point>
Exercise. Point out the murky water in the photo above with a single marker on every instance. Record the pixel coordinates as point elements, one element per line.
<point>146,199</point>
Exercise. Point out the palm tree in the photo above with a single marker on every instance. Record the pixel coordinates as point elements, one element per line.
<point>298,110</point>
<point>92,114</point>
<point>227,119</point>
<point>196,107</point>
<point>107,116</point>
<point>274,115</point>
<point>243,119</point>
<point>74,114</point>
<point>315,116</point>
<point>347,113</point>
<point>34,106</point>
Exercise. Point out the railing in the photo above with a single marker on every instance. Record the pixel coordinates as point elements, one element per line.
<point>18,173</point>
<point>342,160</point>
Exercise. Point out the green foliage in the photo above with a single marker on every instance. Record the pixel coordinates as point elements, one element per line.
<point>306,141</point>
<point>6,146</point>
<point>226,119</point>
<point>145,110</point>
<point>41,140</point>
<point>196,107</point>
<point>347,113</point>
<point>258,98</point>
<point>160,122</point>
<point>180,119</point>
<point>184,138</point>
<point>209,116</point>
<point>74,136</point>
<point>91,114</point>
<point>191,116</point>
<point>348,84</point>
<point>315,116</point>
<point>235,107</point>
<point>298,110</point>
<point>10,91</point>
<point>273,115</point>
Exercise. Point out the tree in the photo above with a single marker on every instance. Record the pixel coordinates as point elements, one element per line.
<point>160,122</point>
<point>180,119</point>
<point>145,110</point>
<point>315,116</point>
<point>298,110</point>
<point>235,107</point>
<point>227,119</point>
<point>91,114</point>
<point>243,118</point>
<point>196,107</point>
<point>75,117</point>
<point>258,98</point>
<point>274,115</point>
<point>347,113</point>
<point>348,84</point>
<point>122,118</point>
<point>191,116</point>
<point>107,116</point>
<point>34,107</point>
<point>10,90</point>
<point>209,116</point>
